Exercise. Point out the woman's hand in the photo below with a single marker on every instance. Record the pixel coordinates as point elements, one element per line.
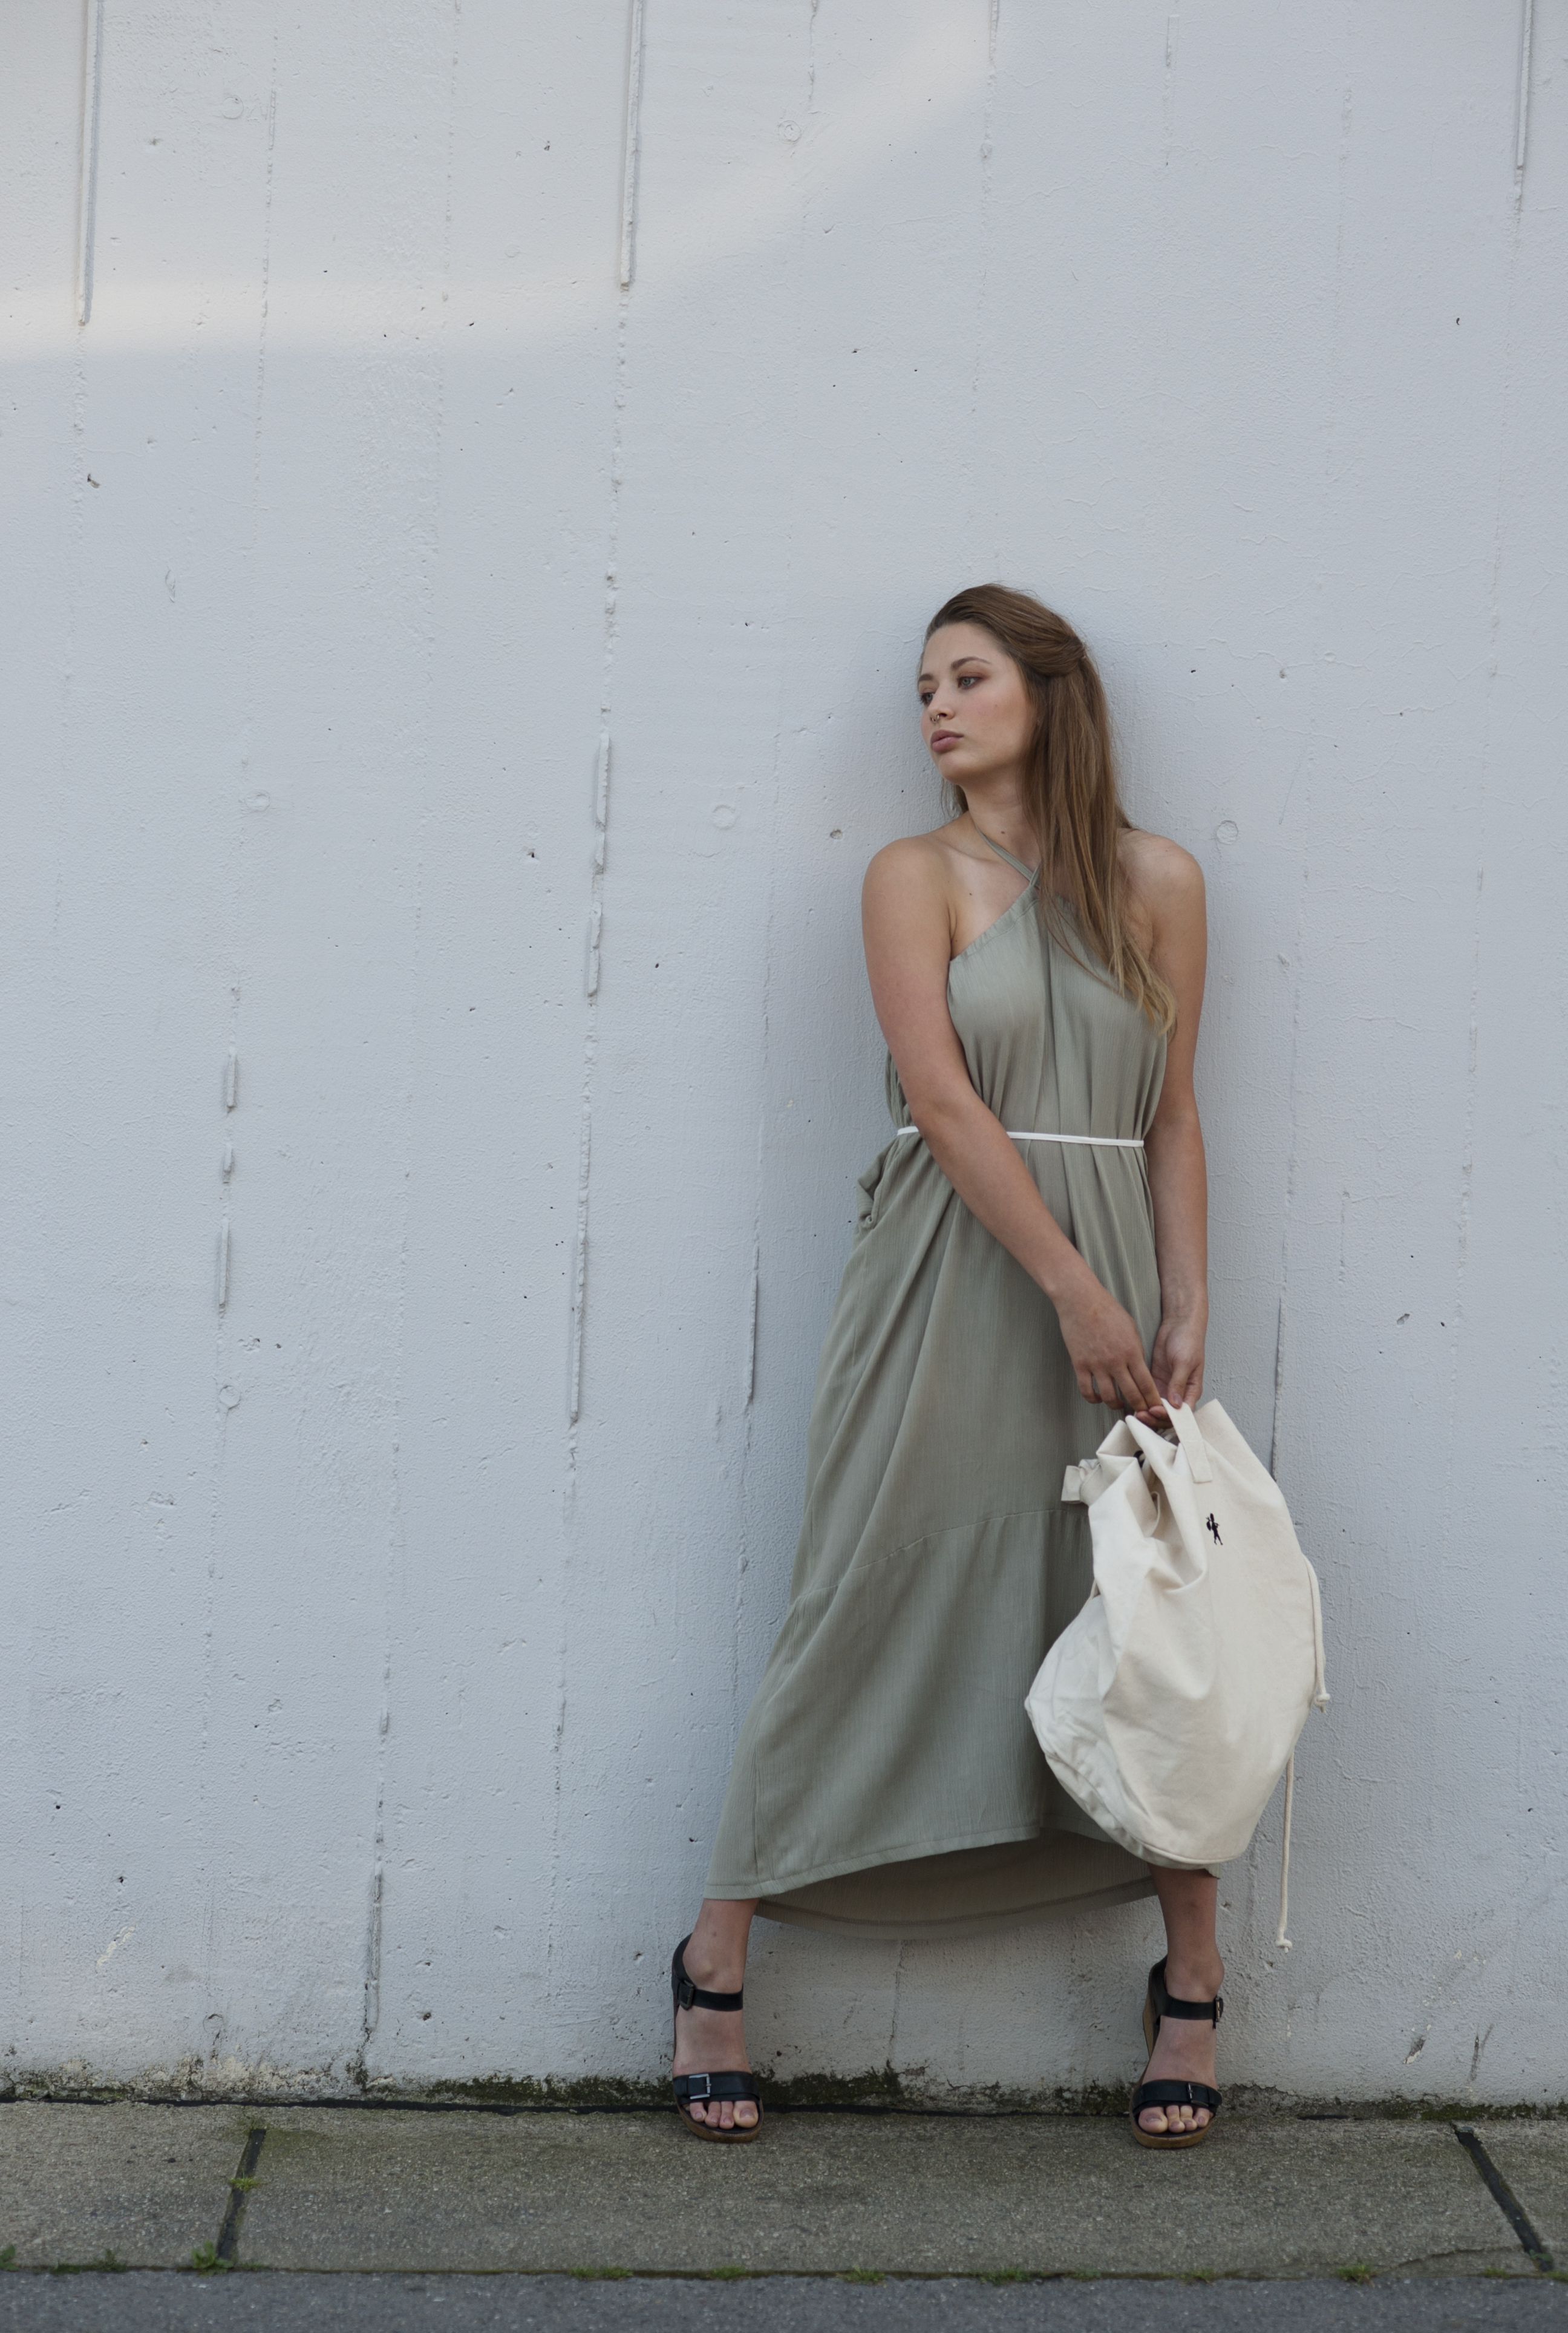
<point>1106,1351</point>
<point>1178,1360</point>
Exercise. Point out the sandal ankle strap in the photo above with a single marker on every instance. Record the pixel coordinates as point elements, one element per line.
<point>1166,2005</point>
<point>696,1996</point>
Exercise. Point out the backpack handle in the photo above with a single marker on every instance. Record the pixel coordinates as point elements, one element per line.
<point>1190,1436</point>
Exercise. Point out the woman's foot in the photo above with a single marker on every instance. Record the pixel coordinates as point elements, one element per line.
<point>1184,2048</point>
<point>714,2041</point>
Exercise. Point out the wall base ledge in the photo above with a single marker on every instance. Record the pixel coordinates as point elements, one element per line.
<point>871,2092</point>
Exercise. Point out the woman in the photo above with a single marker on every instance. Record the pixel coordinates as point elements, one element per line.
<point>1037,964</point>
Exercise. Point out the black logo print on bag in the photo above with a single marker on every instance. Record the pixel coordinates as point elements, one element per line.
<point>1213,1526</point>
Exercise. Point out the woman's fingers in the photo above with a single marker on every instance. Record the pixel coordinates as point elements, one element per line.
<point>1119,1384</point>
<point>1135,1388</point>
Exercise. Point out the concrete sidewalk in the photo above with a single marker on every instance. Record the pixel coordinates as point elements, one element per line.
<point>405,2202</point>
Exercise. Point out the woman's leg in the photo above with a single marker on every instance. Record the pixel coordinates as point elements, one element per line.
<point>1184,2048</point>
<point>714,2041</point>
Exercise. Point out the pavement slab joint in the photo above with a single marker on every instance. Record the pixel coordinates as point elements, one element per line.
<point>1503,2196</point>
<point>226,2248</point>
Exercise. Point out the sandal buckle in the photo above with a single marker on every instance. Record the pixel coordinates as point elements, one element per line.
<point>686,1994</point>
<point>706,2091</point>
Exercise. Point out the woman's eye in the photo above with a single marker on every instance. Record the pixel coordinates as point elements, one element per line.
<point>968,679</point>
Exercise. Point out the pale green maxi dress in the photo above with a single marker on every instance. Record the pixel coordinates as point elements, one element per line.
<point>886,1781</point>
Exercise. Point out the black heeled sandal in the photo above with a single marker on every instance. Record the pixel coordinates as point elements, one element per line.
<point>706,2088</point>
<point>1157,2004</point>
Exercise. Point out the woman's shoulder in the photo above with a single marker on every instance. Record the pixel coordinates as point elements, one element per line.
<point>1163,878</point>
<point>916,863</point>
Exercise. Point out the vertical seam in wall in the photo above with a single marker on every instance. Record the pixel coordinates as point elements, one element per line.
<point>87,185</point>
<point>585,1138</point>
<point>370,1996</point>
<point>370,2015</point>
<point>1169,237</point>
<point>1484,776</point>
<point>578,1312</point>
<point>631,150</point>
<point>983,285</point>
<point>1522,133</point>
<point>749,1423</point>
<point>1167,91</point>
<point>226,1397</point>
<point>579,1301</point>
<point>1304,767</point>
<point>578,1296</point>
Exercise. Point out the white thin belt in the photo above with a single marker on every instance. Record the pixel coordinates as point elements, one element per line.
<point>1094,1141</point>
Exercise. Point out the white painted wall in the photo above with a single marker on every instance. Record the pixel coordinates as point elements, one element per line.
<point>366,1716</point>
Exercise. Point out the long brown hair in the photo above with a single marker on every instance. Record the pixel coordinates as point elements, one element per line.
<point>1069,785</point>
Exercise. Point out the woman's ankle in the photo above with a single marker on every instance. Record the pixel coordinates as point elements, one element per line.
<point>1195,1976</point>
<point>715,1954</point>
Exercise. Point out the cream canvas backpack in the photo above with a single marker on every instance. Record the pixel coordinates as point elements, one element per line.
<point>1171,1707</point>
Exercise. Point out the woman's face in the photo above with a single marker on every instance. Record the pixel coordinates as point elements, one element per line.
<point>976,712</point>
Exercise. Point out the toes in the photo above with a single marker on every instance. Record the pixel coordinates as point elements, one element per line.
<point>717,2117</point>
<point>1173,2121</point>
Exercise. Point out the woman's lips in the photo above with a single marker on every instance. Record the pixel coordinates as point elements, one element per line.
<point>943,738</point>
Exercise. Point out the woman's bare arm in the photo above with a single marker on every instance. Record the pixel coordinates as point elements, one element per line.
<point>1168,885</point>
<point>908,928</point>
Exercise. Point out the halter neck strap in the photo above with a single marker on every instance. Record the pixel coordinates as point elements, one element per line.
<point>1030,874</point>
